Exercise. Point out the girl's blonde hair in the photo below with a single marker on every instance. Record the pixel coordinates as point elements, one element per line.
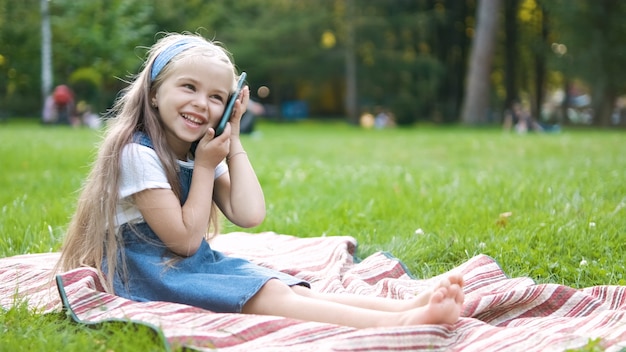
<point>92,233</point>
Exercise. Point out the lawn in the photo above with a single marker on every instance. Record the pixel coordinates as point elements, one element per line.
<point>551,206</point>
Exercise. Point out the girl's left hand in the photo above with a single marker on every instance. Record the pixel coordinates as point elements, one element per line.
<point>241,106</point>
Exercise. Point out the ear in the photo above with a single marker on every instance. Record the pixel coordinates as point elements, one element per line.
<point>153,101</point>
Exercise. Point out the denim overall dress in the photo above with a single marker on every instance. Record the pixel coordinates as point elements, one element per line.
<point>208,279</point>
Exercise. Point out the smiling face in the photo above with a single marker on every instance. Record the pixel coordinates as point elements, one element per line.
<point>192,97</point>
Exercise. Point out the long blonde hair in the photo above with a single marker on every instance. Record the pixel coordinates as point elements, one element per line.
<point>92,233</point>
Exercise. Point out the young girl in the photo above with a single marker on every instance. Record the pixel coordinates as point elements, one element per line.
<point>144,212</point>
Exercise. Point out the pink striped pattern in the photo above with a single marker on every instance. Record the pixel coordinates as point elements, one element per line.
<point>501,313</point>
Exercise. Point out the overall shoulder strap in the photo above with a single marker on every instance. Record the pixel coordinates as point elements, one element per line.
<point>143,139</point>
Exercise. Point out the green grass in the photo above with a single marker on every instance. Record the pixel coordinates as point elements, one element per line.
<point>433,197</point>
<point>24,331</point>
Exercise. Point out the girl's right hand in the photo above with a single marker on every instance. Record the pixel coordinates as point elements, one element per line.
<point>212,150</point>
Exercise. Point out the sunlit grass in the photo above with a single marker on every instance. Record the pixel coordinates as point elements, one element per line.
<point>565,193</point>
<point>551,207</point>
<point>24,331</point>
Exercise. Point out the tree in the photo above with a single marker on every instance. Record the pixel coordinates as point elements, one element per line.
<point>593,34</point>
<point>351,64</point>
<point>105,50</point>
<point>511,63</point>
<point>410,56</point>
<point>477,93</point>
<point>46,50</point>
<point>451,42</point>
<point>20,57</point>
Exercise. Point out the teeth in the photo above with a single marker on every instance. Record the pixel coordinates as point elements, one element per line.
<point>191,118</point>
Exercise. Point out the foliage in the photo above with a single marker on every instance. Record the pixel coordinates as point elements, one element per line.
<point>110,32</point>
<point>398,37</point>
<point>19,56</point>
<point>98,35</point>
<point>593,345</point>
<point>277,42</point>
<point>87,81</point>
<point>594,55</point>
<point>284,51</point>
<point>411,56</point>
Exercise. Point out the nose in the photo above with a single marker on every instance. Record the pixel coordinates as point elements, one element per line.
<point>200,102</point>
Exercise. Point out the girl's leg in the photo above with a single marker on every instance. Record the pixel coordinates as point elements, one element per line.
<point>380,303</point>
<point>276,298</point>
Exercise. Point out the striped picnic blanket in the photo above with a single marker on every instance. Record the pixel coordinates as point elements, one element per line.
<point>500,314</point>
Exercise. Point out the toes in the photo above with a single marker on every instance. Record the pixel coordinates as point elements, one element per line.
<point>444,283</point>
<point>438,295</point>
<point>457,279</point>
<point>457,293</point>
<point>460,298</point>
<point>452,279</point>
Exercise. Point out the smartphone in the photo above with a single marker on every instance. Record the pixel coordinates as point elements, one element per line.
<point>229,105</point>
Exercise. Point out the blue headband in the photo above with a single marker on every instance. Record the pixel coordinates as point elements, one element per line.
<point>166,55</point>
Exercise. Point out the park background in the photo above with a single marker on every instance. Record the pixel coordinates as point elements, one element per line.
<point>423,60</point>
<point>446,185</point>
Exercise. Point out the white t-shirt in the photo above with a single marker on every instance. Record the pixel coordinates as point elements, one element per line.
<point>141,169</point>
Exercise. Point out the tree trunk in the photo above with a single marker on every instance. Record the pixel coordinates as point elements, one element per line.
<point>351,74</point>
<point>603,101</point>
<point>511,54</point>
<point>477,89</point>
<point>46,51</point>
<point>540,64</point>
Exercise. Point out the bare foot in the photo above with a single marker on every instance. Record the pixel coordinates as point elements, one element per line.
<point>444,306</point>
<point>423,298</point>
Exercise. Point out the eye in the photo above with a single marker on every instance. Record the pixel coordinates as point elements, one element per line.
<point>218,97</point>
<point>189,86</point>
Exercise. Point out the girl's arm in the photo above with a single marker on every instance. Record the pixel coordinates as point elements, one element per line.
<point>238,193</point>
<point>182,228</point>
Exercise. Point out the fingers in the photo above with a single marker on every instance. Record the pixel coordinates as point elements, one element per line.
<point>210,133</point>
<point>245,96</point>
<point>242,103</point>
<point>211,149</point>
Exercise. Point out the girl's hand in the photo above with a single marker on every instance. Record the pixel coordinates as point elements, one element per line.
<point>212,150</point>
